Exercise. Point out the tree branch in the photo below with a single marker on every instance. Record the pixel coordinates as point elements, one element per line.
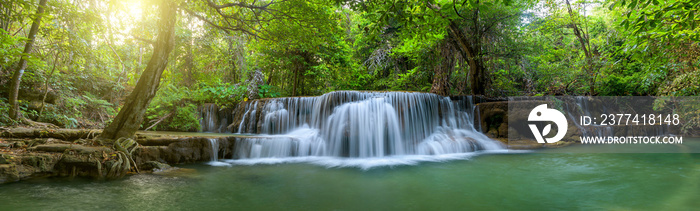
<point>226,29</point>
<point>249,6</point>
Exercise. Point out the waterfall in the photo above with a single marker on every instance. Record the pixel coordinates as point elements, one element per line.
<point>301,142</point>
<point>214,143</point>
<point>248,121</point>
<point>582,107</point>
<point>360,125</point>
<point>368,128</point>
<point>208,117</point>
<point>213,119</point>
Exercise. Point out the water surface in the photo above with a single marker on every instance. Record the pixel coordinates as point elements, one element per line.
<point>522,181</point>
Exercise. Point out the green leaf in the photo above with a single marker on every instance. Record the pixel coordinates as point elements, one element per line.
<point>691,16</point>
<point>632,5</point>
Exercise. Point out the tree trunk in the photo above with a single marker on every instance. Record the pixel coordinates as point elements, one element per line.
<point>131,114</point>
<point>440,81</point>
<point>443,71</point>
<point>19,71</point>
<point>189,63</point>
<point>46,85</point>
<point>477,76</point>
<point>295,81</point>
<point>5,21</point>
<point>232,60</point>
<point>469,52</point>
<point>581,36</point>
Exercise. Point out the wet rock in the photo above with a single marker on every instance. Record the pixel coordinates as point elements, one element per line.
<point>154,166</point>
<point>182,150</point>
<point>494,118</point>
<point>238,114</point>
<point>26,165</point>
<point>8,173</point>
<point>252,123</point>
<point>56,157</point>
<point>80,165</point>
<point>43,162</point>
<point>150,153</point>
<point>518,112</point>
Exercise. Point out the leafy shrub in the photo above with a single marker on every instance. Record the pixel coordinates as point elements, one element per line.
<point>223,94</point>
<point>176,107</point>
<point>185,118</point>
<point>53,115</point>
<point>5,113</point>
<point>267,91</point>
<point>98,108</point>
<point>684,85</point>
<point>165,107</point>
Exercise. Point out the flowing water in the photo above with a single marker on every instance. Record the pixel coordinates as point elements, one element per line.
<point>563,180</point>
<point>213,119</point>
<point>373,128</point>
<point>214,143</point>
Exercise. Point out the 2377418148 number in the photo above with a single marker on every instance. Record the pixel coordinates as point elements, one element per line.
<point>632,119</point>
<point>637,119</point>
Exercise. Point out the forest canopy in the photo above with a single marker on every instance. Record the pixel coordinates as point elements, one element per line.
<point>80,60</point>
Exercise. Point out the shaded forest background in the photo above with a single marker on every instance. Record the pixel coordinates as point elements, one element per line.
<point>88,55</point>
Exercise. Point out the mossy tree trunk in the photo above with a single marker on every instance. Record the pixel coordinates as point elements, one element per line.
<point>131,114</point>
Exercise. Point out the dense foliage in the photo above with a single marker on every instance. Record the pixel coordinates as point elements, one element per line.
<point>88,55</point>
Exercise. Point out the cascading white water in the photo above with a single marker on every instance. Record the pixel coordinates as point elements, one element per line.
<point>368,128</point>
<point>301,142</point>
<point>208,121</point>
<point>248,120</point>
<point>582,107</point>
<point>213,118</point>
<point>214,143</point>
<point>357,124</point>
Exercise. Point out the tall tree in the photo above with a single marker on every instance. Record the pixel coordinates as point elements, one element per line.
<point>468,25</point>
<point>129,118</point>
<point>304,59</point>
<point>19,70</point>
<point>227,16</point>
<point>584,40</point>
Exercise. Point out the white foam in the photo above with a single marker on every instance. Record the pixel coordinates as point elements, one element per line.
<point>361,163</point>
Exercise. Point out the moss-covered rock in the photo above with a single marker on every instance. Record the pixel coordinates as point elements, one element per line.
<point>8,173</point>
